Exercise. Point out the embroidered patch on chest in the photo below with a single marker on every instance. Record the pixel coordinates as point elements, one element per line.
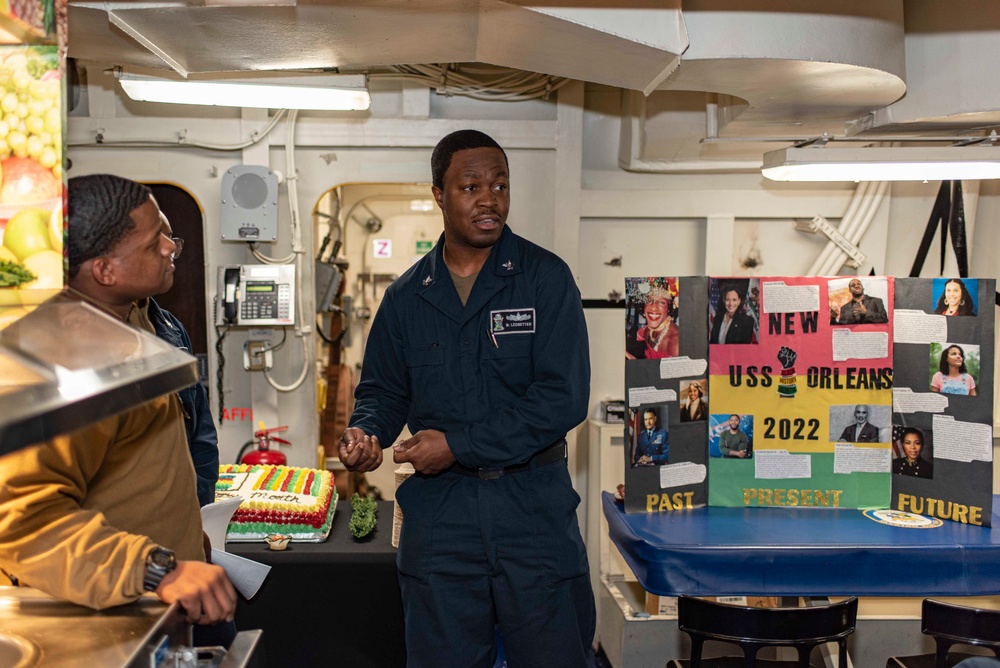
<point>512,321</point>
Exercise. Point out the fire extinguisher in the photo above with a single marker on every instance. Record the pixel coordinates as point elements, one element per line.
<point>264,454</point>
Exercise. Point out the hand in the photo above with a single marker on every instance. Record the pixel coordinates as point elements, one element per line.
<point>740,453</point>
<point>359,451</point>
<point>427,450</point>
<point>203,589</point>
<point>787,357</point>
<point>859,308</point>
<point>644,460</point>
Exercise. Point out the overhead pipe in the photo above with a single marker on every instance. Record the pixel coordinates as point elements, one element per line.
<point>850,227</point>
<point>852,208</point>
<point>859,227</point>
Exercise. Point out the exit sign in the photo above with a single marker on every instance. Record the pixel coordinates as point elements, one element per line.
<point>424,246</point>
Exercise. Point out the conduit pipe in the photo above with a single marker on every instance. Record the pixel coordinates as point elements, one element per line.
<point>859,225</point>
<point>860,213</point>
<point>852,208</point>
<point>876,202</point>
<point>849,230</point>
<point>302,329</point>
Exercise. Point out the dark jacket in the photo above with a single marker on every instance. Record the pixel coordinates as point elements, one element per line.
<point>874,313</point>
<point>919,469</point>
<point>700,414</point>
<point>656,446</point>
<point>869,434</point>
<point>503,377</point>
<point>740,329</point>
<point>203,439</point>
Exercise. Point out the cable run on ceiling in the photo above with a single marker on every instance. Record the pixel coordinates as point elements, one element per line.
<point>478,81</point>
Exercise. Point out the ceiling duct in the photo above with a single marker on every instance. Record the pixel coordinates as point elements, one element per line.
<point>635,46</point>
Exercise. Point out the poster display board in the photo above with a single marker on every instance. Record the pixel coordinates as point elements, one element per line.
<point>801,375</point>
<point>943,398</point>
<point>667,393</point>
<point>820,392</point>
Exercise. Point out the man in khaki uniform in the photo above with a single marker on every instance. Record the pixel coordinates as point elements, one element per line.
<point>103,514</point>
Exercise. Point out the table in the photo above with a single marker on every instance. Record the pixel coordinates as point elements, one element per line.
<point>802,552</point>
<point>335,603</point>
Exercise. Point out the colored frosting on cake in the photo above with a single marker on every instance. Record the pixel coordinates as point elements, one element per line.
<point>296,502</point>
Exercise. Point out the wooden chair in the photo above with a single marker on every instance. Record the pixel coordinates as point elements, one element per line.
<point>754,628</point>
<point>952,625</point>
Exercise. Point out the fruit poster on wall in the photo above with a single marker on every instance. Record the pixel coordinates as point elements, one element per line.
<point>801,377</point>
<point>31,178</point>
<point>942,440</point>
<point>32,21</point>
<point>667,393</point>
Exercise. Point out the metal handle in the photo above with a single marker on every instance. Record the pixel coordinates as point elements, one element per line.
<point>241,651</point>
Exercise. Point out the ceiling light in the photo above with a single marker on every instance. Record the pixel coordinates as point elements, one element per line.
<point>919,163</point>
<point>335,92</point>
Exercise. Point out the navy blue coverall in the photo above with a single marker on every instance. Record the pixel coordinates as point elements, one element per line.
<point>503,377</point>
<point>203,439</point>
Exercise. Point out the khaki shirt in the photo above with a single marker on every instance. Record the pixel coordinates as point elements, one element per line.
<point>79,514</point>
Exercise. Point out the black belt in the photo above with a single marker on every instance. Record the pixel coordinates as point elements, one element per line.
<point>550,455</point>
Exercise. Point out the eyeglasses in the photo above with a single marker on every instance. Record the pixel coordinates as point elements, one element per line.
<point>179,243</point>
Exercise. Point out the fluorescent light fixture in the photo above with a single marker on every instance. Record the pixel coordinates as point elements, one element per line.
<point>322,92</point>
<point>917,163</point>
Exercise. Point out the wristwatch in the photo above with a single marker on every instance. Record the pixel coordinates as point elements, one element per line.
<point>159,562</point>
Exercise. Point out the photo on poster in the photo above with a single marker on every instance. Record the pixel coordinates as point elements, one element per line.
<point>694,400</point>
<point>730,436</point>
<point>955,296</point>
<point>912,452</point>
<point>733,310</point>
<point>858,300</point>
<point>954,368</point>
<point>860,423</point>
<point>649,443</point>
<point>651,317</point>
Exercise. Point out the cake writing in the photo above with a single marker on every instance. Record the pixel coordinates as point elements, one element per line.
<point>284,497</point>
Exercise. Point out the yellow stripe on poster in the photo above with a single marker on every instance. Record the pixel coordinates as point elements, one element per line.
<point>797,423</point>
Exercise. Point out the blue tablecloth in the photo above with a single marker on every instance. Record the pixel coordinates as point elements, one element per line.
<point>803,552</point>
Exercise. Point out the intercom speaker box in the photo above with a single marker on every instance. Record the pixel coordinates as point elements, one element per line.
<point>249,201</point>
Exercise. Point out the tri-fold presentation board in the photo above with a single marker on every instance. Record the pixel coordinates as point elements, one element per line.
<point>825,392</point>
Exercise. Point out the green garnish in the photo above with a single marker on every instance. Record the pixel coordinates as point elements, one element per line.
<point>363,515</point>
<point>13,275</point>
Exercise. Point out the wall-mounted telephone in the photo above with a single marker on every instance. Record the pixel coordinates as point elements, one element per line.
<point>255,295</point>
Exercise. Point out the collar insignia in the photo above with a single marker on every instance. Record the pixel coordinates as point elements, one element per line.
<point>508,265</point>
<point>427,281</point>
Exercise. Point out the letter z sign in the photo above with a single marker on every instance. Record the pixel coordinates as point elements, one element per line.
<point>382,248</point>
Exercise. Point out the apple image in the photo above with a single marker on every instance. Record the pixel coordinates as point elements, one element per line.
<point>47,265</point>
<point>8,297</point>
<point>27,233</point>
<point>26,181</point>
<point>56,229</point>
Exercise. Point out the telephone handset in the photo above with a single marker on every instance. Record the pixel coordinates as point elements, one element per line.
<point>256,295</point>
<point>230,297</point>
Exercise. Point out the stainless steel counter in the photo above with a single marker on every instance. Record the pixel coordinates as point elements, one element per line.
<point>67,364</point>
<point>38,630</point>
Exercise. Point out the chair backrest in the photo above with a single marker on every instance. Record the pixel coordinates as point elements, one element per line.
<point>951,624</point>
<point>753,628</point>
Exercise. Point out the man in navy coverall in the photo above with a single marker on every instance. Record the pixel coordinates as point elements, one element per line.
<point>481,350</point>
